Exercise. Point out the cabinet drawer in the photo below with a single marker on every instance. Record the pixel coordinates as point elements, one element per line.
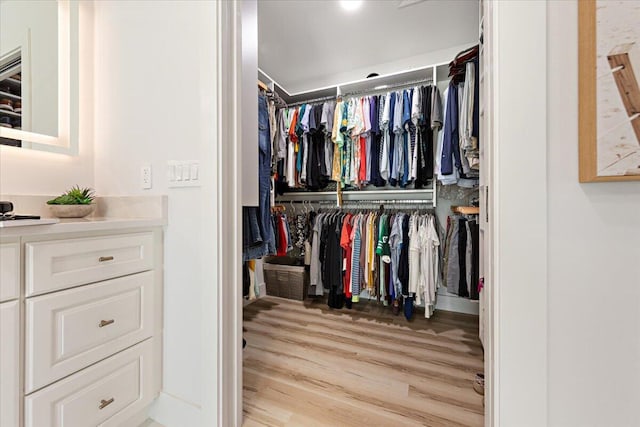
<point>61,264</point>
<point>69,330</point>
<point>9,365</point>
<point>106,394</point>
<point>9,271</point>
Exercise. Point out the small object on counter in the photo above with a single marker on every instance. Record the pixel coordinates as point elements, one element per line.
<point>75,203</point>
<point>5,207</point>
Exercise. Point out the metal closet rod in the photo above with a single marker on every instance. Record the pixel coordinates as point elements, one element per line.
<point>390,202</point>
<point>361,92</point>
<point>388,88</point>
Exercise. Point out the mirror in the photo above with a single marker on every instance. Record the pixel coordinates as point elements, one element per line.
<point>35,74</point>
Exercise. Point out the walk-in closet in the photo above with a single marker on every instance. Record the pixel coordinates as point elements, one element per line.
<point>363,229</point>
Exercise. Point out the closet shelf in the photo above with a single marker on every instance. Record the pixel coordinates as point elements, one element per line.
<point>4,94</point>
<point>360,195</point>
<point>9,113</point>
<point>466,210</point>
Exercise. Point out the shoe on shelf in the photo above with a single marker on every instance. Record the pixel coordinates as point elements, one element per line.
<point>5,122</point>
<point>6,104</point>
<point>17,107</point>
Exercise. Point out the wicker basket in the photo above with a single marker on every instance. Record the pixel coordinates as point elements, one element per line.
<point>286,281</point>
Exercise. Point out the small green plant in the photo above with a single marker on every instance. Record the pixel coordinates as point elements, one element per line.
<point>75,196</point>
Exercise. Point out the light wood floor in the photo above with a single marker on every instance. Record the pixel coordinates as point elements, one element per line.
<point>306,365</point>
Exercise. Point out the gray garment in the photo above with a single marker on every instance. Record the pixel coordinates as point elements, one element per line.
<point>328,110</point>
<point>463,160</point>
<point>281,135</point>
<point>315,277</point>
<point>436,109</point>
<point>395,241</point>
<point>453,261</point>
<point>467,107</point>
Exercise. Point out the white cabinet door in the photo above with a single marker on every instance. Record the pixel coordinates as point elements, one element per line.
<point>9,364</point>
<point>61,264</point>
<point>9,271</point>
<point>105,394</point>
<point>69,330</point>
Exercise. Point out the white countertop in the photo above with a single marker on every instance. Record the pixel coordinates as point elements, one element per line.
<point>73,225</point>
<point>113,213</point>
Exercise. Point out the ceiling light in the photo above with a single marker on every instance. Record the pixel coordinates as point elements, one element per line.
<point>350,5</point>
<point>380,87</point>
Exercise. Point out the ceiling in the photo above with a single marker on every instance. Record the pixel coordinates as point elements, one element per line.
<point>308,44</point>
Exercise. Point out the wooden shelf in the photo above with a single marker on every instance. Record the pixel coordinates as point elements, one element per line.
<point>466,210</point>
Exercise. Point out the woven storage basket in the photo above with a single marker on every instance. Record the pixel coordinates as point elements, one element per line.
<point>286,281</point>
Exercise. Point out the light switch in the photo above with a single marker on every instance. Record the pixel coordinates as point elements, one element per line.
<point>186,172</point>
<point>194,171</point>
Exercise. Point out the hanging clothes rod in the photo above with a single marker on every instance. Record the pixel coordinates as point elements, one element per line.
<point>314,100</point>
<point>389,202</point>
<point>387,88</point>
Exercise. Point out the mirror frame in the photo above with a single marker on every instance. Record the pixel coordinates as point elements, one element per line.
<point>66,142</point>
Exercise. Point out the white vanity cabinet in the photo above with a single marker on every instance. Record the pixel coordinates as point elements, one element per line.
<point>80,325</point>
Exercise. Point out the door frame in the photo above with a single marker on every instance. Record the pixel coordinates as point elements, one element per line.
<point>516,359</point>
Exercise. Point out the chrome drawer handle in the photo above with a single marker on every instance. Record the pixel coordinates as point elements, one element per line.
<point>104,323</point>
<point>105,403</point>
<point>105,258</point>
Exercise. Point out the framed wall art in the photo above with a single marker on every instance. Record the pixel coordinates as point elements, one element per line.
<point>609,90</point>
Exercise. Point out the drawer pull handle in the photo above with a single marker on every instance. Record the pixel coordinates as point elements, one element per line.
<point>105,258</point>
<point>104,323</point>
<point>105,403</point>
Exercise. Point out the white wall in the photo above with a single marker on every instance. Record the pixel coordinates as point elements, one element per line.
<point>31,172</point>
<point>155,79</point>
<point>594,263</point>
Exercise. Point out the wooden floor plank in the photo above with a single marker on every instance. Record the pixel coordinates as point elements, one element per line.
<point>307,365</point>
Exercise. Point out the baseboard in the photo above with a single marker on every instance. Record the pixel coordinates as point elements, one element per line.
<point>171,411</point>
<point>450,302</point>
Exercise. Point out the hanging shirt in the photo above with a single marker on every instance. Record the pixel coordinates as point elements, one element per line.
<point>384,109</point>
<point>450,147</point>
<point>356,239</point>
<point>415,285</point>
<point>345,243</point>
<point>408,136</point>
<point>292,150</point>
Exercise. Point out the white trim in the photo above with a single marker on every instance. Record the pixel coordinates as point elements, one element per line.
<point>451,302</point>
<point>226,389</point>
<point>169,410</point>
<point>517,356</point>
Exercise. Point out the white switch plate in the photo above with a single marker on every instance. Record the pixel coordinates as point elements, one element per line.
<point>183,173</point>
<point>145,177</point>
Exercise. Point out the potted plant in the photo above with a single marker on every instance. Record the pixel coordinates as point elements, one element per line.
<point>75,203</point>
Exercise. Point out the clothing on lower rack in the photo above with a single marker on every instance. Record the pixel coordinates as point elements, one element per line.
<point>462,256</point>
<point>389,256</point>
